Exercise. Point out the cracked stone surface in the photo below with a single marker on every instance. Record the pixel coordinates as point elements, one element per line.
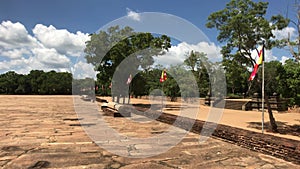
<point>43,132</point>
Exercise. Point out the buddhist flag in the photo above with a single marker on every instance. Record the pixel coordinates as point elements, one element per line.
<point>252,76</point>
<point>129,79</point>
<point>259,62</point>
<point>163,76</point>
<point>260,56</point>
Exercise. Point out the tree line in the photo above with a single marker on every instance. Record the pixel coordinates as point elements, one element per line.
<point>36,82</point>
<point>106,50</point>
<point>282,79</point>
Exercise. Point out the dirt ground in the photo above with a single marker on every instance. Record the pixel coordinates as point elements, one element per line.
<point>288,122</point>
<point>43,132</point>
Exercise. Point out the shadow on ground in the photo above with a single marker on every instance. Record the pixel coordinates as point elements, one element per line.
<point>283,127</point>
<point>158,107</point>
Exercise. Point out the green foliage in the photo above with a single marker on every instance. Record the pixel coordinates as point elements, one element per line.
<point>36,82</point>
<point>280,79</point>
<point>198,63</point>
<point>9,82</point>
<point>243,26</point>
<point>107,49</point>
<point>292,80</point>
<point>138,85</point>
<point>236,77</point>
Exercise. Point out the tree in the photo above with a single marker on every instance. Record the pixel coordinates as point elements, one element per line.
<point>198,63</point>
<point>9,82</point>
<point>106,51</point>
<point>23,85</point>
<point>292,70</point>
<point>243,26</point>
<point>236,77</point>
<point>295,44</point>
<point>36,80</point>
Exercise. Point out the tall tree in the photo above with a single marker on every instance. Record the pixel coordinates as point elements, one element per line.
<point>107,49</point>
<point>242,24</point>
<point>198,63</point>
<point>292,74</point>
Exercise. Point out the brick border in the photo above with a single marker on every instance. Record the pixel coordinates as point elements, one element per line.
<point>286,149</point>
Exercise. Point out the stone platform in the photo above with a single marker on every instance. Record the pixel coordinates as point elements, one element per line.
<point>44,132</point>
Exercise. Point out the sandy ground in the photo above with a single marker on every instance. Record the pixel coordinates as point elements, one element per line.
<point>44,132</point>
<point>249,120</point>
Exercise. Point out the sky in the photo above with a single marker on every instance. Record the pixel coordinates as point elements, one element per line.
<point>51,35</point>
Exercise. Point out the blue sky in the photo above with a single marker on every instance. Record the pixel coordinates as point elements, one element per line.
<point>70,21</point>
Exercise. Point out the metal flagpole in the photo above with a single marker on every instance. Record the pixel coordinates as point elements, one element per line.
<point>263,88</point>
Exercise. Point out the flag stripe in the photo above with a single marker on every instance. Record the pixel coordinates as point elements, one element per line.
<point>163,76</point>
<point>259,62</point>
<point>253,74</point>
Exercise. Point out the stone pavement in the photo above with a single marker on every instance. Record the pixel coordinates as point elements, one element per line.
<point>43,132</point>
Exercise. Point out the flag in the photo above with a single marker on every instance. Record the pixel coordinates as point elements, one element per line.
<point>163,76</point>
<point>252,76</point>
<point>260,56</point>
<point>129,79</point>
<point>259,62</point>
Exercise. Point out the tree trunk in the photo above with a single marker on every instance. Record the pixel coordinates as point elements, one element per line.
<point>273,125</point>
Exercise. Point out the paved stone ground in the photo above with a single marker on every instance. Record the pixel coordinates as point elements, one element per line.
<point>43,131</point>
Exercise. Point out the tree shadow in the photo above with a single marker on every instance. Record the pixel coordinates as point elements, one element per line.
<point>283,127</point>
<point>156,107</point>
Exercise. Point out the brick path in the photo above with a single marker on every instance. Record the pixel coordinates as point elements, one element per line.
<point>42,131</point>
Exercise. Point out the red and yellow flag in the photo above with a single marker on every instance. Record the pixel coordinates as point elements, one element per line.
<point>163,76</point>
<point>259,62</point>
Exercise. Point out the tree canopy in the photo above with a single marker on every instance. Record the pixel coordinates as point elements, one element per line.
<point>106,50</point>
<point>242,24</point>
<point>36,82</point>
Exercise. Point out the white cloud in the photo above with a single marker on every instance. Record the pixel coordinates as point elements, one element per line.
<point>283,34</point>
<point>268,55</point>
<point>42,59</point>
<point>177,54</point>
<point>49,48</point>
<point>82,70</point>
<point>133,15</point>
<point>14,35</point>
<point>50,58</point>
<point>283,59</point>
<point>15,53</point>
<point>63,41</point>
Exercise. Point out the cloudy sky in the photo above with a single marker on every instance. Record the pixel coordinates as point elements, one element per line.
<point>51,35</point>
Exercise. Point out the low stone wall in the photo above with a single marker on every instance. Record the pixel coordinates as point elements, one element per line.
<point>283,148</point>
<point>235,104</point>
<point>279,147</point>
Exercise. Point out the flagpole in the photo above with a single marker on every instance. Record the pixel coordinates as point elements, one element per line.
<point>162,100</point>
<point>263,89</point>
